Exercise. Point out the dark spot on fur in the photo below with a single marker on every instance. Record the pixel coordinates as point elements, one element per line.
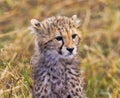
<point>77,89</point>
<point>73,85</point>
<point>54,77</point>
<point>72,92</point>
<point>42,96</point>
<point>69,96</point>
<point>76,94</point>
<point>38,94</point>
<point>45,91</point>
<point>48,74</point>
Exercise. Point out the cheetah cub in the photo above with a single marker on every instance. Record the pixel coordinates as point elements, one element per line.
<point>55,62</point>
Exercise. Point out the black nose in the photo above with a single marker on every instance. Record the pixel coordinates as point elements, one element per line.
<point>70,49</point>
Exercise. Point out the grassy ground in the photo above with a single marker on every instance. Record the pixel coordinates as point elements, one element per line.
<point>99,49</point>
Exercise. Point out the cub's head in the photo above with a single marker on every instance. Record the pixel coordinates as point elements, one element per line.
<point>58,33</point>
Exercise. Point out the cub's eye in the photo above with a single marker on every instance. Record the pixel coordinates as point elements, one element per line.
<point>59,38</point>
<point>74,35</point>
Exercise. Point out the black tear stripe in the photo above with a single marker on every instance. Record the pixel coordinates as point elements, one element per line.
<point>62,42</point>
<point>61,47</point>
<point>79,39</point>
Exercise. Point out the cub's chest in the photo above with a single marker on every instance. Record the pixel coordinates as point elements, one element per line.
<point>60,75</point>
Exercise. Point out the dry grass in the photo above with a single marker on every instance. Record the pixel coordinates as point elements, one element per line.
<point>99,49</point>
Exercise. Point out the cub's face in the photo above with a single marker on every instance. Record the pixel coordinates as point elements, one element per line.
<point>60,34</point>
<point>67,42</point>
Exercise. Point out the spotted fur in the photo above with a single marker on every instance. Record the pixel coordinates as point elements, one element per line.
<point>55,62</point>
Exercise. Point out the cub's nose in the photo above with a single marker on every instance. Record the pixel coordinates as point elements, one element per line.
<point>70,49</point>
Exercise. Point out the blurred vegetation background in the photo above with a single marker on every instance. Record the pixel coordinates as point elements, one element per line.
<point>99,49</point>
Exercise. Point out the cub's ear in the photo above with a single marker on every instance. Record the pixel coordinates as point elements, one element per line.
<point>35,23</point>
<point>76,20</point>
